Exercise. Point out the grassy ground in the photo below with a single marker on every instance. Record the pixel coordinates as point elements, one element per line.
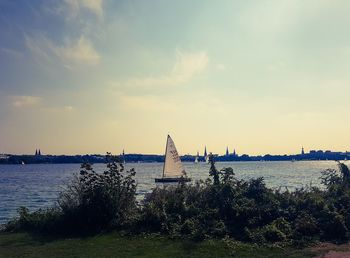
<point>114,245</point>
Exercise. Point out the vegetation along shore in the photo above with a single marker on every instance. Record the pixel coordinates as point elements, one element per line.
<point>223,214</point>
<point>133,158</point>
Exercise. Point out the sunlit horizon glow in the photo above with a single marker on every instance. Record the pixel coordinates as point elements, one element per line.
<point>90,76</point>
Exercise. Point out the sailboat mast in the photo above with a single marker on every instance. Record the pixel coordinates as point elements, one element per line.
<point>166,149</point>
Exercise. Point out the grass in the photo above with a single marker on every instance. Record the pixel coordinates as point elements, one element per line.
<point>115,245</point>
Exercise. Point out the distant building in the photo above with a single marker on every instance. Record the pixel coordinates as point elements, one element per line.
<point>213,154</point>
<point>302,151</point>
<point>227,152</point>
<point>205,151</point>
<point>234,153</point>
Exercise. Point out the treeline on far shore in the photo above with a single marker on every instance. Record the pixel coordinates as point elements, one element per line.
<point>80,159</point>
<point>220,207</point>
<point>135,158</point>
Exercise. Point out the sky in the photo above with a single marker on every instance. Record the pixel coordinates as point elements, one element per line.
<point>91,76</point>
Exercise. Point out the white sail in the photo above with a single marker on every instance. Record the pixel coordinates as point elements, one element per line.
<point>172,165</point>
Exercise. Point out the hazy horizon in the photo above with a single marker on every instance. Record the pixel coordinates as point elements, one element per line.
<point>201,152</point>
<point>90,76</point>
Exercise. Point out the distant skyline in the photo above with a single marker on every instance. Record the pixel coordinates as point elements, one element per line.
<point>91,76</point>
<point>201,153</point>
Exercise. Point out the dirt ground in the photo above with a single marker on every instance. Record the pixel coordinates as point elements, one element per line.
<point>328,250</point>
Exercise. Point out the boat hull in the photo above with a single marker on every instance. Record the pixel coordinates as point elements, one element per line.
<point>172,179</point>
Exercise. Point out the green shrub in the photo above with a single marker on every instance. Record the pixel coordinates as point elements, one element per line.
<point>273,234</point>
<point>284,226</point>
<point>249,211</point>
<point>333,226</point>
<point>220,207</point>
<point>99,201</point>
<point>43,220</point>
<point>305,225</point>
<point>91,202</point>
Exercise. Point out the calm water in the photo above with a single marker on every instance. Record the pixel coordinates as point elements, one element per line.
<point>37,186</point>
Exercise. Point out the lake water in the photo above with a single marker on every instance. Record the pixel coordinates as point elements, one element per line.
<point>37,186</point>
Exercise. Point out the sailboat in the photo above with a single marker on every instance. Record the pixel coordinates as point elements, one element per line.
<point>173,171</point>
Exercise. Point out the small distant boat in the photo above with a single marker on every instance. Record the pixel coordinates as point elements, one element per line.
<point>197,158</point>
<point>22,163</point>
<point>173,171</point>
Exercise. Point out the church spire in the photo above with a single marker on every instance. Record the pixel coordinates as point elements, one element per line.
<point>227,152</point>
<point>123,156</point>
<point>205,151</point>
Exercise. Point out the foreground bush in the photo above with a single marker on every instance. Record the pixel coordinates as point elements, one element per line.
<point>222,206</point>
<point>249,211</point>
<point>91,202</point>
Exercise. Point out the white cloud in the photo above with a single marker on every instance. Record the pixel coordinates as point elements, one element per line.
<point>68,108</point>
<point>189,64</point>
<point>72,51</point>
<point>25,101</point>
<point>71,54</point>
<point>78,52</point>
<point>221,67</point>
<point>207,102</point>
<point>277,17</point>
<point>94,6</point>
<point>186,66</point>
<point>41,47</point>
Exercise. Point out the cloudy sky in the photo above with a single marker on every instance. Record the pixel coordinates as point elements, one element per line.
<point>90,76</point>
